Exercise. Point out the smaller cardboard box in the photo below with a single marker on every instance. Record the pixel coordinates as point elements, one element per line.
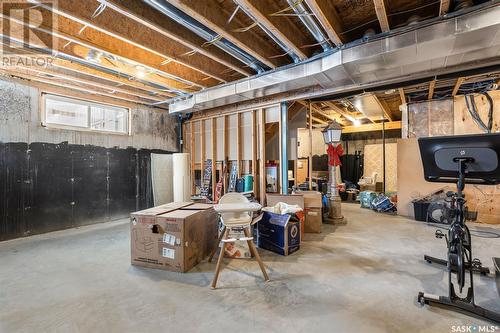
<point>278,233</point>
<point>294,199</point>
<point>313,203</point>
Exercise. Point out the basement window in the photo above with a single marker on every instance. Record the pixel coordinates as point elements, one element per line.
<point>71,113</point>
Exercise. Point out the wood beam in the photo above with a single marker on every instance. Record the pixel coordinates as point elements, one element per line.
<point>225,145</point>
<point>70,31</point>
<point>254,152</point>
<point>288,34</point>
<point>80,49</point>
<point>384,108</point>
<point>136,34</point>
<point>319,120</point>
<point>262,156</point>
<point>203,150</point>
<point>92,83</point>
<point>98,72</point>
<point>154,20</point>
<point>62,84</point>
<point>402,95</point>
<point>381,14</point>
<point>372,127</point>
<point>460,80</point>
<point>328,18</point>
<point>192,151</point>
<point>444,7</point>
<point>339,111</point>
<point>238,143</point>
<point>212,14</point>
<point>432,85</point>
<point>310,155</point>
<point>213,136</point>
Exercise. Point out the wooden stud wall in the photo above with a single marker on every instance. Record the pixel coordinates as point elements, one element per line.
<point>254,164</point>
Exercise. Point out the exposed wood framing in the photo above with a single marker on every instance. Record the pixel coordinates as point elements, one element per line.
<point>225,147</point>
<point>136,34</point>
<point>381,14</point>
<point>66,85</point>
<point>432,85</point>
<point>286,32</point>
<point>372,127</point>
<point>238,143</point>
<point>211,14</point>
<point>203,149</point>
<point>444,7</point>
<point>213,134</point>
<point>192,157</point>
<point>402,95</point>
<point>117,80</point>
<point>328,18</point>
<point>341,112</point>
<point>254,152</point>
<point>460,80</point>
<point>92,83</point>
<point>384,108</point>
<point>262,156</point>
<point>309,157</point>
<point>319,120</point>
<point>156,21</point>
<point>97,41</point>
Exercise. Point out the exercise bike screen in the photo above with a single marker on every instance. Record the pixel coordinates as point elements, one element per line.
<point>440,157</point>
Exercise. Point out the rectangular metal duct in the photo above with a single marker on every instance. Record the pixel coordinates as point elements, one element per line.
<point>369,105</point>
<point>444,46</point>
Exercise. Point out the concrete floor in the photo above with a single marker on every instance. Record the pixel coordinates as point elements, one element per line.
<point>362,277</point>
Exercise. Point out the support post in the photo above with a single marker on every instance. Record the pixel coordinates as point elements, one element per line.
<point>213,133</point>
<point>238,143</point>
<point>284,147</point>
<point>192,151</point>
<point>225,148</point>
<point>262,156</point>
<point>254,152</point>
<point>309,157</point>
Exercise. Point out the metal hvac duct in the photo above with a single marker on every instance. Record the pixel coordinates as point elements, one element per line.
<point>207,34</point>
<point>310,24</point>
<point>441,46</point>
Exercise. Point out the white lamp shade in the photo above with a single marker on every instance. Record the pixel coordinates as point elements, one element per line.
<point>332,133</point>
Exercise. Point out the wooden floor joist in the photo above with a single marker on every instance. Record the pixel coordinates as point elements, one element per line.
<point>134,33</point>
<point>371,127</point>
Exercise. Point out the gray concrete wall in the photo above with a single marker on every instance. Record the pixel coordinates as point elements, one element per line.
<point>20,121</point>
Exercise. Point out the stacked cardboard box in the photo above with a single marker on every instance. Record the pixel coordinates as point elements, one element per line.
<point>313,204</point>
<point>175,236</point>
<point>278,233</point>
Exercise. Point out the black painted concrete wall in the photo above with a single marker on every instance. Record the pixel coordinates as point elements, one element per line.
<point>46,187</point>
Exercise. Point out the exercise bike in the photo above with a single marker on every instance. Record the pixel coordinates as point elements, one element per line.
<point>460,159</point>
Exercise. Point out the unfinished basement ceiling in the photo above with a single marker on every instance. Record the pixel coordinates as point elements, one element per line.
<point>152,51</point>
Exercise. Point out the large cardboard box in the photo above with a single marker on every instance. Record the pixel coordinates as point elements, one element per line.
<point>172,238</point>
<point>278,233</point>
<point>313,203</point>
<point>212,227</point>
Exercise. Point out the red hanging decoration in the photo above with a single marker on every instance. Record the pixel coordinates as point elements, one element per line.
<point>334,154</point>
